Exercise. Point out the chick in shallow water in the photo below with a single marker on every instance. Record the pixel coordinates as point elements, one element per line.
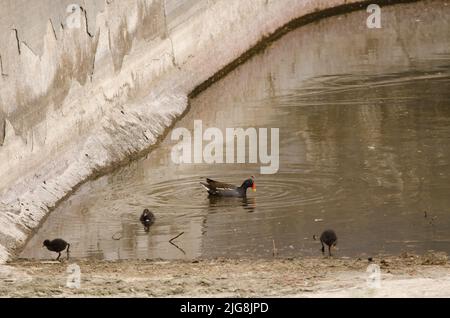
<point>147,219</point>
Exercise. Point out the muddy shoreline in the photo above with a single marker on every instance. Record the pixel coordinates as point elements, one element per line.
<point>405,275</point>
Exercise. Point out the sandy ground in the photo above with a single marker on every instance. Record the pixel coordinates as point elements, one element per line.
<point>402,276</point>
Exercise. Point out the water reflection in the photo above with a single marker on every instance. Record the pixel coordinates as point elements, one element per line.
<point>217,203</point>
<point>364,121</point>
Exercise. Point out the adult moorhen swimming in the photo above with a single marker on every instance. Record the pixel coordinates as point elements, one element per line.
<point>328,237</point>
<point>147,218</point>
<point>57,245</point>
<point>222,189</point>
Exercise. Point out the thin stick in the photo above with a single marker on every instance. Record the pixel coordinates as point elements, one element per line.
<point>274,251</point>
<point>170,241</point>
<point>178,248</point>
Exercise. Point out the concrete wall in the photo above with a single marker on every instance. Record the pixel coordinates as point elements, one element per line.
<point>75,101</point>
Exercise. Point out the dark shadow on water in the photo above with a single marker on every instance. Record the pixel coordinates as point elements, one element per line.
<point>248,203</point>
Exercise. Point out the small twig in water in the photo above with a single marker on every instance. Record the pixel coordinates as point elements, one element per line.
<point>173,238</point>
<point>274,251</point>
<point>178,247</point>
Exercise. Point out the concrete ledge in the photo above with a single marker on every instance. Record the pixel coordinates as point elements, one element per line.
<point>102,94</point>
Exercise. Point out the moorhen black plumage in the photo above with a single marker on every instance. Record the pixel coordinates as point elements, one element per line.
<point>328,237</point>
<point>147,219</point>
<point>217,188</point>
<point>57,245</point>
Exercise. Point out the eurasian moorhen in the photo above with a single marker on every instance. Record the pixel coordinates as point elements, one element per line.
<point>329,238</point>
<point>147,218</point>
<point>222,189</point>
<point>57,245</point>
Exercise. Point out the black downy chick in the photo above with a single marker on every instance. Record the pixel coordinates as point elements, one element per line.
<point>147,219</point>
<point>57,245</point>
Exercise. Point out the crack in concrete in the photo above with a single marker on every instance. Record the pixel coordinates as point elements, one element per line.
<point>3,132</point>
<point>2,72</point>
<point>174,61</point>
<point>53,29</point>
<point>86,22</point>
<point>16,33</point>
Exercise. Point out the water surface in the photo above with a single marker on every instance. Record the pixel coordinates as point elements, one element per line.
<point>364,119</point>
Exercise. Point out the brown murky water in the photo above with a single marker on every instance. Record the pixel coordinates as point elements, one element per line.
<point>364,118</point>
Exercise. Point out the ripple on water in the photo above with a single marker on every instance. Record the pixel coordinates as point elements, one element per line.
<point>284,190</point>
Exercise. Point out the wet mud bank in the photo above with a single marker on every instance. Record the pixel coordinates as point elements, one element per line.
<point>97,96</point>
<point>402,276</point>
